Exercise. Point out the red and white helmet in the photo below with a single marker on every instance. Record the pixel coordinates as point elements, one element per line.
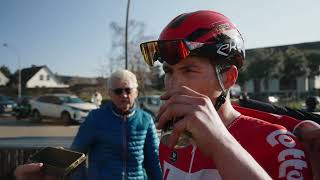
<point>201,33</point>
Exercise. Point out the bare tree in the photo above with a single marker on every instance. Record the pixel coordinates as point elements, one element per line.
<point>135,37</point>
<point>136,63</point>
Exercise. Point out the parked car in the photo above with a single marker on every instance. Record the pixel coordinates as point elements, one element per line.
<point>69,108</point>
<point>150,104</point>
<point>23,108</point>
<point>6,104</point>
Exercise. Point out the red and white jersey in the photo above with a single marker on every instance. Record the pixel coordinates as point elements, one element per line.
<point>271,145</point>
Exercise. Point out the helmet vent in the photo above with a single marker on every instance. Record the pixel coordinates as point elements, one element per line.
<point>178,20</point>
<point>197,34</point>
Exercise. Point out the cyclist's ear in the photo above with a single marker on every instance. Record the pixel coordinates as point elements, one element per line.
<point>230,77</point>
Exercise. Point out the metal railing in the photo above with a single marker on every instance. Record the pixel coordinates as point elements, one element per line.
<point>16,151</point>
<point>11,158</point>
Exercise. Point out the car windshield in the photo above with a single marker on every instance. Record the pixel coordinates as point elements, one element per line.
<point>68,99</point>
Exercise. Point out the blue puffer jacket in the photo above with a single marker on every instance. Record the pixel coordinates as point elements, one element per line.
<point>119,146</point>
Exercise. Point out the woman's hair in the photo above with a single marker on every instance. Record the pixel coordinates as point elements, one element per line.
<point>123,75</point>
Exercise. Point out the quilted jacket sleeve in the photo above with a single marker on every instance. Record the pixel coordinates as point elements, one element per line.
<point>81,142</point>
<point>85,134</point>
<point>151,152</point>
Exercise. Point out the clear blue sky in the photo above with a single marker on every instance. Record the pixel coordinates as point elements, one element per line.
<point>72,37</point>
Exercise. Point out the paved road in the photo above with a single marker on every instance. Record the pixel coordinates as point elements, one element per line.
<point>9,127</point>
<point>15,133</point>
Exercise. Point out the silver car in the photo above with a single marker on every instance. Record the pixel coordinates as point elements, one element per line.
<point>68,108</point>
<point>150,104</point>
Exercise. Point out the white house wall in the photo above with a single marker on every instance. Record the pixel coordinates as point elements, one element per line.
<point>262,86</point>
<point>311,83</point>
<point>36,82</point>
<point>317,82</point>
<point>249,86</point>
<point>274,85</point>
<point>302,84</point>
<point>3,79</point>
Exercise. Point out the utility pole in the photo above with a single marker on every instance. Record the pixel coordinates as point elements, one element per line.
<point>126,34</point>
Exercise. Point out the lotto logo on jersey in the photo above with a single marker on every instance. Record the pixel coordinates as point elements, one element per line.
<point>173,156</point>
<point>291,159</point>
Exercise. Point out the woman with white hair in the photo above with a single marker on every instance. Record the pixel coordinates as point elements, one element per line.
<point>120,140</point>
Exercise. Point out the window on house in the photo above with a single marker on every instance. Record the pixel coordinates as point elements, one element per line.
<point>48,77</point>
<point>41,77</point>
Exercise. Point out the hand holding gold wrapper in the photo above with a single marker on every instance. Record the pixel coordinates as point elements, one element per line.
<point>184,139</point>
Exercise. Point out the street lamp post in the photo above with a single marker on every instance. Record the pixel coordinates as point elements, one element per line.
<point>126,35</point>
<point>15,50</point>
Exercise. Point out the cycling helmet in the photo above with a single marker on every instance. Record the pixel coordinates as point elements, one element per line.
<point>201,33</point>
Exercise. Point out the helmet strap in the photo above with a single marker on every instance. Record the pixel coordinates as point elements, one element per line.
<point>218,73</point>
<point>222,98</point>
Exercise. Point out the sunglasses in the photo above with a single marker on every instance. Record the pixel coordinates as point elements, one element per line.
<point>173,51</point>
<point>119,91</point>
